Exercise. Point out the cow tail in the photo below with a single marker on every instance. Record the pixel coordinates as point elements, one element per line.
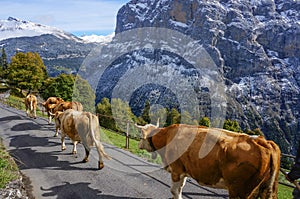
<point>274,169</point>
<point>98,143</point>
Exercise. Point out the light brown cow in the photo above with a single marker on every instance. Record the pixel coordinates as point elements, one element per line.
<point>246,166</point>
<point>49,104</point>
<point>81,127</point>
<point>30,104</point>
<point>62,106</point>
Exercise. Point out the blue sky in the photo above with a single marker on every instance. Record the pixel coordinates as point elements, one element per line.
<point>76,16</point>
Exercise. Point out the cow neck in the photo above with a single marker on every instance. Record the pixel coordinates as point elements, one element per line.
<point>151,144</point>
<point>156,137</point>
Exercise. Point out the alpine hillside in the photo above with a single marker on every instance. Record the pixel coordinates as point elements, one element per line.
<point>255,45</point>
<point>60,51</point>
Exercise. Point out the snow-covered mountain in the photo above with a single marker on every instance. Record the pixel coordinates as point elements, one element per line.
<point>14,28</point>
<point>255,46</point>
<point>60,51</point>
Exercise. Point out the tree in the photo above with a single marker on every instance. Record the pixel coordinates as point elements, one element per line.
<point>106,119</point>
<point>83,92</point>
<point>146,113</point>
<point>232,125</point>
<point>60,86</point>
<point>70,88</point>
<point>3,59</point>
<point>3,64</point>
<point>186,118</point>
<point>256,131</point>
<point>173,117</point>
<point>26,71</point>
<point>205,121</point>
<point>123,115</point>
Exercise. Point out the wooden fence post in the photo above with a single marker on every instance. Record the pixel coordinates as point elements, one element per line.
<point>127,136</point>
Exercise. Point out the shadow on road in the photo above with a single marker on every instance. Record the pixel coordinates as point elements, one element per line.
<point>10,118</point>
<point>27,158</point>
<point>78,191</point>
<point>206,192</point>
<point>27,126</point>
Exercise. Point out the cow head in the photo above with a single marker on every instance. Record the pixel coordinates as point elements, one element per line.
<point>146,138</point>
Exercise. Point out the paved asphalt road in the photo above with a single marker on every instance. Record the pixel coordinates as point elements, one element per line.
<point>61,175</point>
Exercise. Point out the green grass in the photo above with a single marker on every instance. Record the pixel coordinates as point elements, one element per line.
<point>8,167</point>
<point>119,141</point>
<point>284,192</point>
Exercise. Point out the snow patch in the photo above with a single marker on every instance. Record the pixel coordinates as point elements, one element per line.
<point>98,38</point>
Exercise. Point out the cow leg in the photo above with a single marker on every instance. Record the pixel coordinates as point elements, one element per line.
<point>49,118</point>
<point>87,153</point>
<point>56,131</point>
<point>100,150</point>
<point>27,111</point>
<point>74,147</point>
<point>63,145</point>
<point>176,188</point>
<point>34,110</point>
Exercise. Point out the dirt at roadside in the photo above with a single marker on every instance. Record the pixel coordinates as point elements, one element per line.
<point>18,189</point>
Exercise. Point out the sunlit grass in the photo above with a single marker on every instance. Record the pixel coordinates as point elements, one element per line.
<point>8,168</point>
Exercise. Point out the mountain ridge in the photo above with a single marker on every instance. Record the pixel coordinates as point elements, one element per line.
<point>62,52</point>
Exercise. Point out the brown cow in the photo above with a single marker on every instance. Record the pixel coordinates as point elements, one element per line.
<point>30,104</point>
<point>62,106</point>
<point>81,127</point>
<point>49,105</point>
<point>246,166</point>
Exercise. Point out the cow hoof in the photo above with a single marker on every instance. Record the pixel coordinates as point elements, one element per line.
<point>55,135</point>
<point>63,149</point>
<point>100,166</point>
<point>85,160</point>
<point>74,152</point>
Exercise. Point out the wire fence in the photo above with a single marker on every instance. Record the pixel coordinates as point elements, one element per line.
<point>285,171</point>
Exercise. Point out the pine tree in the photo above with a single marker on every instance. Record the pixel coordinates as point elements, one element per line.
<point>232,125</point>
<point>4,63</point>
<point>205,121</point>
<point>146,113</point>
<point>173,117</point>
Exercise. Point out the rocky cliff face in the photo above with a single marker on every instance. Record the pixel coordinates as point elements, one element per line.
<point>256,45</point>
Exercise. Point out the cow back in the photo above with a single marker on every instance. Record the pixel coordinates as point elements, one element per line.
<point>68,124</point>
<point>87,125</point>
